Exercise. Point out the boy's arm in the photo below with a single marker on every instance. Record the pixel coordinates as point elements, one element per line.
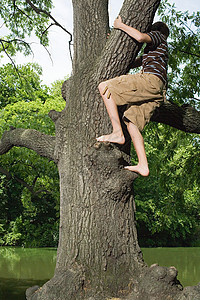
<point>136,34</point>
<point>137,63</point>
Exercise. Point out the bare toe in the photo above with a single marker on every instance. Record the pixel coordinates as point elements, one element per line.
<point>100,138</point>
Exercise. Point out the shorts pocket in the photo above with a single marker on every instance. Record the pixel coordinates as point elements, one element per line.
<point>154,83</point>
<point>126,84</point>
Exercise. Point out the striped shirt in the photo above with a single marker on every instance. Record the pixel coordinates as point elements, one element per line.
<point>155,57</point>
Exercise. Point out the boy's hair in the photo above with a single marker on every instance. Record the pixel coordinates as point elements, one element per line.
<point>162,27</point>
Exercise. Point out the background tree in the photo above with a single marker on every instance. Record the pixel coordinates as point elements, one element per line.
<point>29,206</point>
<point>98,253</point>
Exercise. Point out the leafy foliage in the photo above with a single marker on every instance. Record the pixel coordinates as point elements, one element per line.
<point>168,200</point>
<point>29,207</point>
<point>22,21</point>
<point>22,86</point>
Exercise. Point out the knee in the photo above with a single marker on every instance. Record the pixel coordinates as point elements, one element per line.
<point>129,125</point>
<point>102,86</point>
<point>132,127</point>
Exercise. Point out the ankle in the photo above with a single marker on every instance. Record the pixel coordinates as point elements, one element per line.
<point>118,133</point>
<point>144,168</point>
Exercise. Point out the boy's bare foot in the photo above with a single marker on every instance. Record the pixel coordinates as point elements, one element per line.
<point>144,171</point>
<point>113,138</point>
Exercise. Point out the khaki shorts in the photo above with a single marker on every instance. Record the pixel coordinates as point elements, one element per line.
<point>143,92</point>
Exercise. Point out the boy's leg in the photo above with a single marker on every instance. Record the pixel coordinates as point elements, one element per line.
<point>117,135</point>
<point>138,142</point>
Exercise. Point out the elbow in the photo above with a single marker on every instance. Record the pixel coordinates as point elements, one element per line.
<point>141,38</point>
<point>144,38</point>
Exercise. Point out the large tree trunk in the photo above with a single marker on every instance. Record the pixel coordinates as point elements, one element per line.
<point>98,252</point>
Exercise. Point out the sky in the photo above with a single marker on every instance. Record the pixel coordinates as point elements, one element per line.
<point>59,65</point>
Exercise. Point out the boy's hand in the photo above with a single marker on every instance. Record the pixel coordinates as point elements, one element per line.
<point>118,22</point>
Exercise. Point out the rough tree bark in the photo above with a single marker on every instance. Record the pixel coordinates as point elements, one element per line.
<point>98,252</point>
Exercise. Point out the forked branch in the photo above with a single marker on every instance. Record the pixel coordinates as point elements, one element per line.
<point>55,22</point>
<point>32,139</point>
<point>31,187</point>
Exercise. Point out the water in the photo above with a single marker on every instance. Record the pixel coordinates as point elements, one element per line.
<point>186,261</point>
<point>21,268</point>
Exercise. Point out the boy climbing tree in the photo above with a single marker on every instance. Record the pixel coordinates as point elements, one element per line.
<point>141,92</point>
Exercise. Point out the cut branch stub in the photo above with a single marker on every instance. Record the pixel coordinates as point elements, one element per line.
<point>54,115</point>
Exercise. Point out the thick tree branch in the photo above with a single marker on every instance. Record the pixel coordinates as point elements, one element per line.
<point>89,40</point>
<point>121,50</point>
<point>32,139</point>
<point>185,117</point>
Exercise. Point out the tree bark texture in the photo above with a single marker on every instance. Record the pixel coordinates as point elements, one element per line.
<point>30,138</point>
<point>98,252</point>
<point>185,117</point>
